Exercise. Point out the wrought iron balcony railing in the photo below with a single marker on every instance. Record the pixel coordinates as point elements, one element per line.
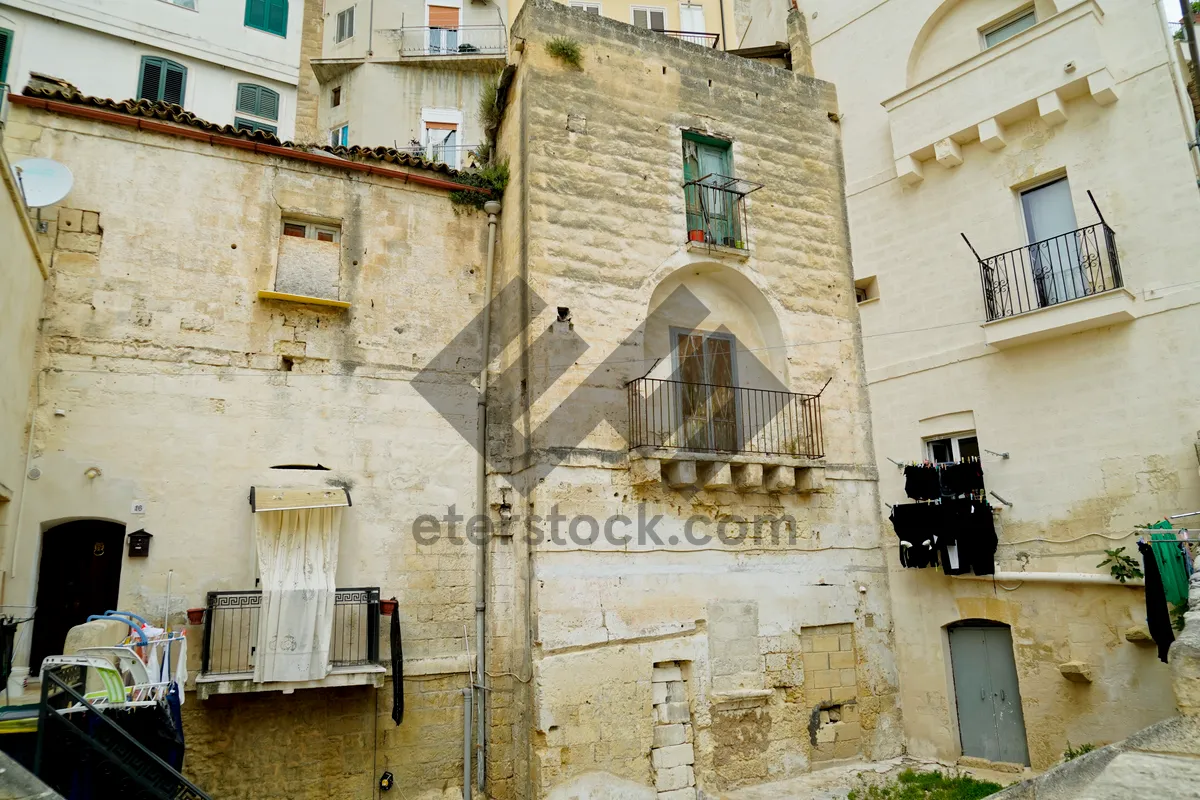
<point>464,40</point>
<point>695,37</point>
<point>231,630</point>
<point>1072,265</point>
<point>716,210</point>
<point>724,419</point>
<point>459,156</point>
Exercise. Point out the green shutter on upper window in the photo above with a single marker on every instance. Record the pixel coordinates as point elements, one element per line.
<point>267,15</point>
<point>162,79</point>
<point>6,37</point>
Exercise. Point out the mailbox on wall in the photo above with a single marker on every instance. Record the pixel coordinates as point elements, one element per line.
<point>139,544</point>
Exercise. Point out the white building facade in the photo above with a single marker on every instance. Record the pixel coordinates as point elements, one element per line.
<point>1023,214</point>
<point>232,62</point>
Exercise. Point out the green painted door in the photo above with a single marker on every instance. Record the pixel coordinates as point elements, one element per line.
<point>990,722</point>
<point>711,206</point>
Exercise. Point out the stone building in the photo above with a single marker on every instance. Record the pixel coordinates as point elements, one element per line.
<point>682,584</point>
<point>635,268</point>
<point>1053,342</point>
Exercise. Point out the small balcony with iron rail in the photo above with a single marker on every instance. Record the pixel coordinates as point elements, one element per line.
<point>685,434</point>
<point>716,214</point>
<point>1064,284</point>
<point>707,40</point>
<point>231,635</point>
<point>462,42</point>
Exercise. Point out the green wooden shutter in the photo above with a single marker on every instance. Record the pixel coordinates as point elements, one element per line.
<point>150,80</point>
<point>6,37</point>
<point>268,103</point>
<point>252,125</point>
<point>256,14</point>
<point>257,100</point>
<point>247,98</point>
<point>174,82</point>
<point>277,12</point>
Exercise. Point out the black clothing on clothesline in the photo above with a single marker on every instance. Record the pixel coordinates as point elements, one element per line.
<point>1158,618</point>
<point>957,534</point>
<point>397,666</point>
<point>921,482</point>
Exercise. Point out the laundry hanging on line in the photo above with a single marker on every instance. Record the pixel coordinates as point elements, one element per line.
<point>929,481</point>
<point>958,534</point>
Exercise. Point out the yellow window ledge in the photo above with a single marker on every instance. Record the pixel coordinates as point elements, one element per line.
<point>263,294</point>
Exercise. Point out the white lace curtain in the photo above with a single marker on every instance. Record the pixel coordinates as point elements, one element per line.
<point>297,562</point>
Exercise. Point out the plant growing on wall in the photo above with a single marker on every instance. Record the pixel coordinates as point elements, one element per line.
<point>1075,752</point>
<point>1177,612</point>
<point>491,173</point>
<point>1195,10</point>
<point>566,50</point>
<point>910,785</point>
<point>1120,565</point>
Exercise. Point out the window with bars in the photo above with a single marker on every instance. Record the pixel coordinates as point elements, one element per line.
<point>6,39</point>
<point>162,79</point>
<point>345,25</point>
<point>267,15</point>
<point>654,19</point>
<point>258,101</point>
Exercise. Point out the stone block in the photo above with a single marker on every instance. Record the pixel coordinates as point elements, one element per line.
<point>70,219</point>
<point>679,474</point>
<point>666,674</point>
<point>846,677</point>
<point>847,731</point>
<point>747,477</point>
<point>716,476</point>
<point>1102,87</point>
<point>91,222</point>
<point>909,171</point>
<point>676,692</point>
<point>658,692</point>
<point>1139,634</point>
<point>1051,109</point>
<point>669,713</point>
<point>78,242</point>
<point>948,153</point>
<point>671,778</point>
<point>825,679</point>
<point>846,642</point>
<point>776,661</point>
<point>643,471</point>
<point>810,479</point>
<point>1076,671</point>
<point>679,794</point>
<point>779,479</point>
<point>840,694</point>
<point>991,135</point>
<point>846,749</point>
<point>825,644</point>
<point>826,735</point>
<point>676,755</point>
<point>841,660</point>
<point>667,735</point>
<point>816,661</point>
<point>815,697</point>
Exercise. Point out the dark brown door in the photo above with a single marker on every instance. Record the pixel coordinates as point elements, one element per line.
<point>80,575</point>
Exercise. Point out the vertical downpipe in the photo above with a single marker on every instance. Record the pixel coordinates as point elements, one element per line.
<point>481,508</point>
<point>466,743</point>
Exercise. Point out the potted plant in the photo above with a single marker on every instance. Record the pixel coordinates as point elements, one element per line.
<point>387,607</point>
<point>195,616</point>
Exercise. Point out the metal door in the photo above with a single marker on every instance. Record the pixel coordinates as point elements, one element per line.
<point>990,722</point>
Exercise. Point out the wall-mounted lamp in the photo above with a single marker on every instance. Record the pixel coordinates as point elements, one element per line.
<point>91,473</point>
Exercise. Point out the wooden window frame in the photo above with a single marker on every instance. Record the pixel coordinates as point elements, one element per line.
<point>648,9</point>
<point>312,230</point>
<point>335,97</point>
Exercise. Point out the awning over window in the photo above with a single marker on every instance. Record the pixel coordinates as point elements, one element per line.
<point>270,498</point>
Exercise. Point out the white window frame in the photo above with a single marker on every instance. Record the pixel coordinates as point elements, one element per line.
<point>584,5</point>
<point>181,4</point>
<point>445,4</point>
<point>955,445</point>
<point>342,134</point>
<point>648,10</point>
<point>1008,19</point>
<point>311,229</point>
<point>337,27</point>
<point>448,115</point>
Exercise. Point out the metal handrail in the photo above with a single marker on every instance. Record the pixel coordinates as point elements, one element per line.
<point>460,40</point>
<point>705,417</point>
<point>695,37</point>
<point>716,210</point>
<point>1076,264</point>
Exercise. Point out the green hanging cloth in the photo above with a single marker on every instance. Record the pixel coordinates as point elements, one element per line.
<point>1172,566</point>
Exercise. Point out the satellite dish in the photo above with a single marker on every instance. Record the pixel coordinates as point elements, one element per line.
<point>44,182</point>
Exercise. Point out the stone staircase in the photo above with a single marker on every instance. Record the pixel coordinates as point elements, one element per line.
<point>1161,762</point>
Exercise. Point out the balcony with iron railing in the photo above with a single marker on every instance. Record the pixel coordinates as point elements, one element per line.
<point>716,211</point>
<point>231,631</point>
<point>459,156</point>
<point>698,434</point>
<point>464,41</point>
<point>1059,273</point>
<point>708,40</point>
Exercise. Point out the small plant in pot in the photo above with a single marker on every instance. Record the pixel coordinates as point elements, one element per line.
<point>195,616</point>
<point>387,607</point>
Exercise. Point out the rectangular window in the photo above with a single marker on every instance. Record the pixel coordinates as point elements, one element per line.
<point>950,449</point>
<point>1009,28</point>
<point>443,29</point>
<point>345,25</point>
<point>713,209</point>
<point>190,5</point>
<point>706,369</point>
<point>588,8</point>
<point>654,19</point>
<point>335,97</point>
<point>311,230</point>
<point>253,125</point>
<point>441,142</point>
<point>267,15</point>
<point>340,137</point>
<point>162,79</point>
<point>6,46</point>
<point>258,101</point>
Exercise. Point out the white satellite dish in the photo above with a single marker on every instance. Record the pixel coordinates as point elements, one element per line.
<point>43,181</point>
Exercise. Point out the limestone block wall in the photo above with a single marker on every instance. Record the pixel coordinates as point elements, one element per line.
<point>183,389</point>
<point>594,224</point>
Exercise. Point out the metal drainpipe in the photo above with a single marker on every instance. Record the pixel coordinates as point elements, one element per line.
<point>481,507</point>
<point>466,741</point>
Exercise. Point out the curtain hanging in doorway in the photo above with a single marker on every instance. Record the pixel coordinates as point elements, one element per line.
<point>297,560</point>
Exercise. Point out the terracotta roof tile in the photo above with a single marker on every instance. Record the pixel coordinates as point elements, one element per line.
<point>169,112</point>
